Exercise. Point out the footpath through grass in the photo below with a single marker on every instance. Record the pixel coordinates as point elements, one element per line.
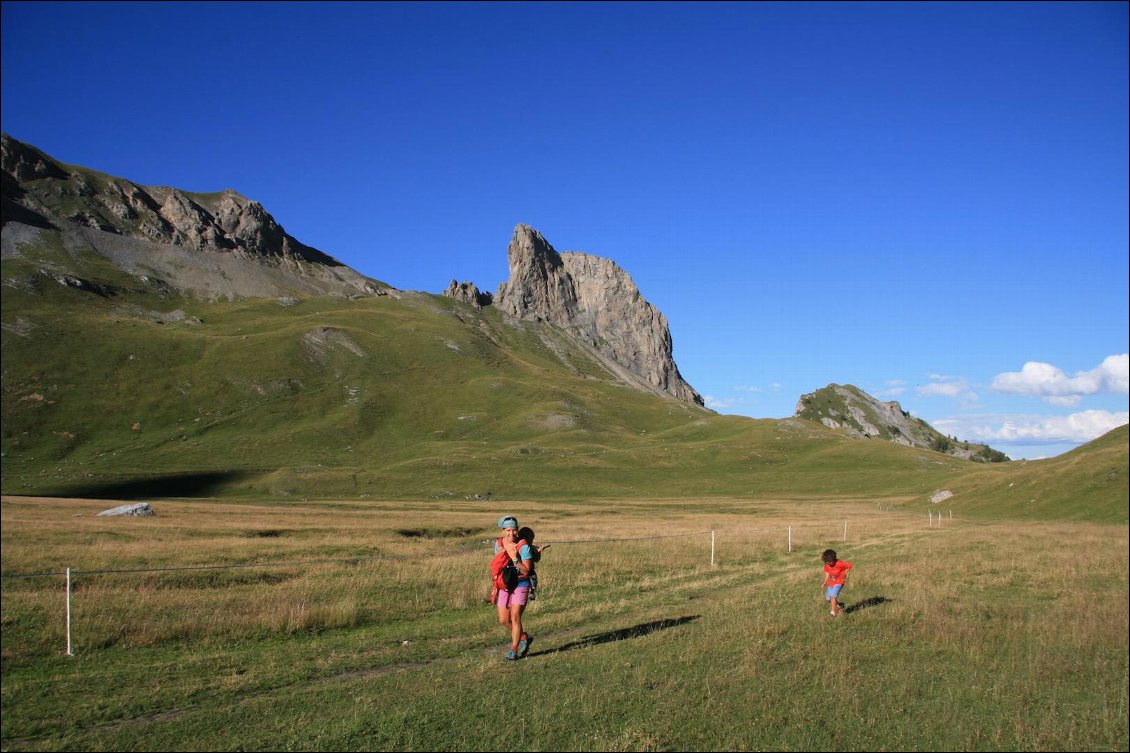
<point>964,637</point>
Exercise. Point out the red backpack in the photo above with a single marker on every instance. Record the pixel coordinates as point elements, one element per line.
<point>502,570</point>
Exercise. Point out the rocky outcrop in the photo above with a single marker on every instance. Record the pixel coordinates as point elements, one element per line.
<point>860,415</point>
<point>320,342</point>
<point>598,304</point>
<point>468,292</point>
<point>261,257</point>
<point>139,509</point>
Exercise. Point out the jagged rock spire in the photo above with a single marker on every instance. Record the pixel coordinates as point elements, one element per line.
<point>597,302</point>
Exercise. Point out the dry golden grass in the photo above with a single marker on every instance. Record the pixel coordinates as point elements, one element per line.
<point>957,633</point>
<point>218,571</point>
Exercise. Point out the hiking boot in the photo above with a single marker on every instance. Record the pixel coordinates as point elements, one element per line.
<point>511,655</point>
<point>524,645</point>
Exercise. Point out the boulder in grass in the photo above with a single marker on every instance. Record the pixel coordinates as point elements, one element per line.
<point>141,508</point>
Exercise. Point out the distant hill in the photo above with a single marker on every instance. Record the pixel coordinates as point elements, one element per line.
<point>860,415</point>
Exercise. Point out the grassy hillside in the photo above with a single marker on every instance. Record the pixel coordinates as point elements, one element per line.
<point>137,392</point>
<point>1088,483</point>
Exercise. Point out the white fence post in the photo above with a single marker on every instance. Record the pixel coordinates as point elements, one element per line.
<point>790,538</point>
<point>845,530</point>
<point>69,653</point>
<point>712,548</point>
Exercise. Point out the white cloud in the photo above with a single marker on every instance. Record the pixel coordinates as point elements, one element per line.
<point>1117,370</point>
<point>775,387</point>
<point>942,389</point>
<point>1046,381</point>
<point>891,388</point>
<point>947,386</point>
<point>719,404</point>
<point>1076,428</point>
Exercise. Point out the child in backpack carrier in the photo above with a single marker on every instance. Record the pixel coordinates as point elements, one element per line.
<point>526,534</point>
<point>501,563</point>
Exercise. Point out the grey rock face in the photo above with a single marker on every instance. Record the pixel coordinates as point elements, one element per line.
<point>539,287</point>
<point>468,292</point>
<point>25,162</point>
<point>226,245</point>
<point>597,303</point>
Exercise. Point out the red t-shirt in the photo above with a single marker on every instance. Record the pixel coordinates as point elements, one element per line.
<point>837,572</point>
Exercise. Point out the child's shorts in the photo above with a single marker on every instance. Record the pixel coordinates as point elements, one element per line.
<point>518,597</point>
<point>833,592</point>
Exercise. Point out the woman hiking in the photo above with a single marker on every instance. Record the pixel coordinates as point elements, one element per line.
<point>511,600</point>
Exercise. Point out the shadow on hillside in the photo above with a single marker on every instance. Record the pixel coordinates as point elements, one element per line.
<point>874,601</point>
<point>169,485</point>
<point>636,631</point>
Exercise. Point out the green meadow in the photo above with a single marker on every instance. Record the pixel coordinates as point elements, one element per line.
<point>360,625</point>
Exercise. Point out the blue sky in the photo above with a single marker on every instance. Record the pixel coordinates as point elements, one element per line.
<point>928,201</point>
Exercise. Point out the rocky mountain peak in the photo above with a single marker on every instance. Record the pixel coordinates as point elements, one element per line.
<point>539,287</point>
<point>596,302</point>
<point>218,244</point>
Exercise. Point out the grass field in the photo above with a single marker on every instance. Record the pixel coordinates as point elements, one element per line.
<point>360,626</point>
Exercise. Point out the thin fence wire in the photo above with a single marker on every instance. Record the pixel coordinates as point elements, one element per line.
<point>192,567</point>
<point>634,538</point>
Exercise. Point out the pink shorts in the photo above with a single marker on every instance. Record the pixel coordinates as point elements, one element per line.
<point>517,598</point>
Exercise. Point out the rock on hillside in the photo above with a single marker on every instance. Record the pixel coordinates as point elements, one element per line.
<point>598,304</point>
<point>468,292</point>
<point>218,245</point>
<point>862,416</point>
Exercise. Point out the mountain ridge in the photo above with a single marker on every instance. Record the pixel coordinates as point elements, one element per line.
<point>119,385</point>
<point>224,245</point>
<point>216,245</point>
